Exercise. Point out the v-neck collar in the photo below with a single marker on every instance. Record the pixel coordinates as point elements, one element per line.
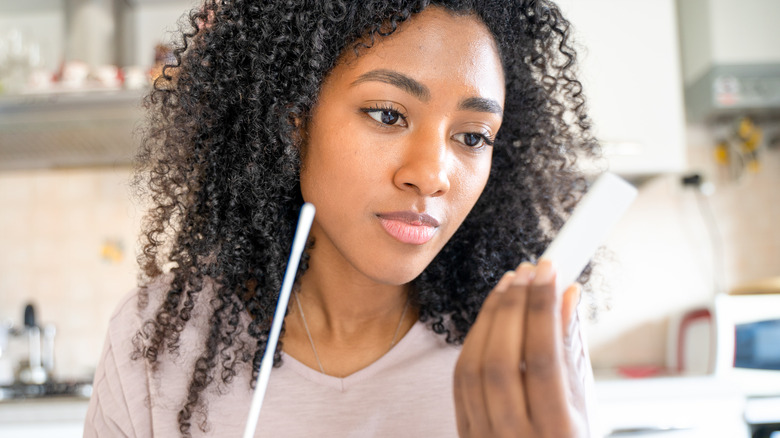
<point>344,383</point>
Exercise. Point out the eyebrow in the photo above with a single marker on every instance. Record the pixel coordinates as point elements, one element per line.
<point>481,104</point>
<point>399,80</point>
<point>422,92</point>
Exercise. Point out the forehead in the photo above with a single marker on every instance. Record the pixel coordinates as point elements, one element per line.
<point>435,47</point>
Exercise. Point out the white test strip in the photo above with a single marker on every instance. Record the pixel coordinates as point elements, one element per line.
<point>588,227</point>
<point>305,219</point>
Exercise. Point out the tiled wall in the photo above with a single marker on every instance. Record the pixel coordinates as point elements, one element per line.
<point>665,260</point>
<point>68,246</point>
<point>68,242</point>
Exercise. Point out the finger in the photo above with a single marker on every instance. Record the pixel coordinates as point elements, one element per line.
<point>572,342</point>
<point>577,368</point>
<point>545,385</point>
<point>570,301</point>
<point>470,405</point>
<point>504,283</point>
<point>502,384</point>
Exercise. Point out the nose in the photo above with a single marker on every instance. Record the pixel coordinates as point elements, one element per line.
<point>424,166</point>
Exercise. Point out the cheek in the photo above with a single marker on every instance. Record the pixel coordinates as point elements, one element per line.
<point>472,180</point>
<point>337,168</point>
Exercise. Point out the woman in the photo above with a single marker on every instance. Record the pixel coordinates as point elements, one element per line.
<point>386,117</point>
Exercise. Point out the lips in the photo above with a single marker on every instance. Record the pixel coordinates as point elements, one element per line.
<point>408,226</point>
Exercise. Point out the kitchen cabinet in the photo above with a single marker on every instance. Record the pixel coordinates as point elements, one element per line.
<point>671,407</point>
<point>731,61</point>
<point>630,70</point>
<point>727,32</point>
<point>43,418</point>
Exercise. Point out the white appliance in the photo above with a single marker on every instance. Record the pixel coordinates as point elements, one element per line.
<point>747,330</point>
<point>736,340</point>
<point>748,354</point>
<point>731,59</point>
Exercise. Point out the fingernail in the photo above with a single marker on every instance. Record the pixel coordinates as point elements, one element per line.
<point>544,272</point>
<point>505,281</point>
<point>524,274</point>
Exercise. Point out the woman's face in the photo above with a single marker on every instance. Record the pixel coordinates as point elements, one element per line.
<point>397,149</point>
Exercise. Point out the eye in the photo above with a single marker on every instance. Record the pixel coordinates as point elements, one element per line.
<point>473,139</point>
<point>386,116</point>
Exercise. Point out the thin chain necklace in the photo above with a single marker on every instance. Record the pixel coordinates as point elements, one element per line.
<point>311,341</point>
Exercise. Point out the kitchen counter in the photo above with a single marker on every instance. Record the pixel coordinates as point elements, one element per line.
<point>62,417</point>
<point>46,410</point>
<point>679,407</point>
<point>668,407</point>
<point>763,410</point>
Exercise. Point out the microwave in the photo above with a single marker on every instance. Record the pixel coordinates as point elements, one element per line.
<point>747,342</point>
<point>737,337</point>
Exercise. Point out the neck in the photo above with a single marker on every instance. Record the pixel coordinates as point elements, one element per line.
<point>347,308</point>
<point>352,321</point>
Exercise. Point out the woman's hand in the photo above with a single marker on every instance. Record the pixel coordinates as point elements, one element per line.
<point>516,375</point>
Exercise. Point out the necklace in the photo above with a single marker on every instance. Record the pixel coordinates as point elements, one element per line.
<point>311,341</point>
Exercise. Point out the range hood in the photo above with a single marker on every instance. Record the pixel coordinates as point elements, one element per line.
<point>90,125</point>
<point>95,128</point>
<point>727,91</point>
<point>731,58</point>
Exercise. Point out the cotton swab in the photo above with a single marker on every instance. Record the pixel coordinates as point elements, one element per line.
<point>305,220</point>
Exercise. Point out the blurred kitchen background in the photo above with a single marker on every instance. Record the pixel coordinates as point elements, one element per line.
<point>685,96</point>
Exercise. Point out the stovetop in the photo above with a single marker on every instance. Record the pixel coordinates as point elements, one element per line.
<point>72,389</point>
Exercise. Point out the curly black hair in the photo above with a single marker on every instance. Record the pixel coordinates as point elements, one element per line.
<point>220,165</point>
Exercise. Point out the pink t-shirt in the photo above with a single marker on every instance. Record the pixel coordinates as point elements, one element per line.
<point>406,393</point>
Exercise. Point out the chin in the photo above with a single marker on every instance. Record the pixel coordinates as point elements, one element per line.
<point>399,274</point>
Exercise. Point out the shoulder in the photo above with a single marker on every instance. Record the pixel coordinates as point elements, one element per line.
<point>132,396</point>
<point>127,315</point>
<point>120,386</point>
<point>136,307</point>
<point>143,303</point>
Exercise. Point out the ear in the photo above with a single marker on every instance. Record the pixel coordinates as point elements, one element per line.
<point>299,132</point>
